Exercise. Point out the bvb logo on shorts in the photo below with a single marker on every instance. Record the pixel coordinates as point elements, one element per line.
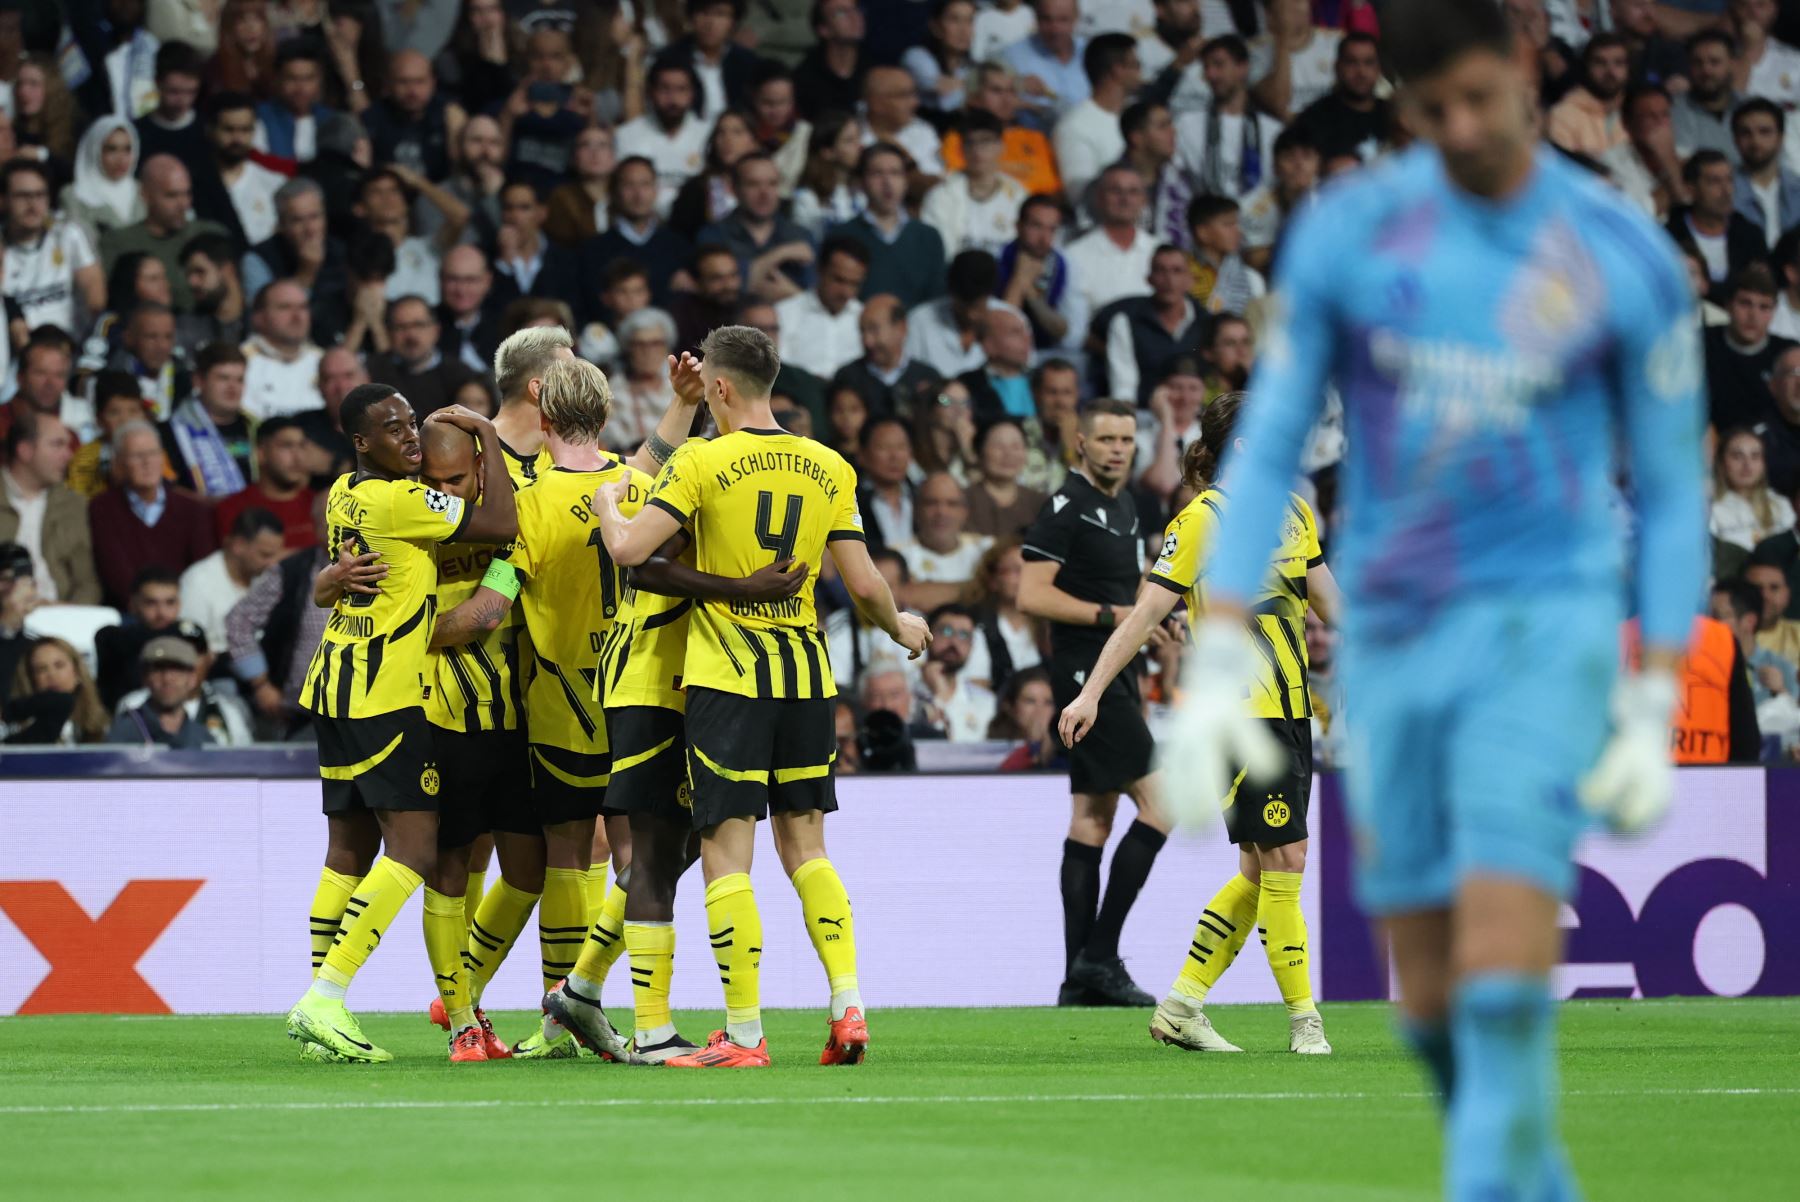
<point>428,780</point>
<point>1276,812</point>
<point>684,796</point>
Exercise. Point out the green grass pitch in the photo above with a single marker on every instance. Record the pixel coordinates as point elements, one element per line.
<point>1690,1100</point>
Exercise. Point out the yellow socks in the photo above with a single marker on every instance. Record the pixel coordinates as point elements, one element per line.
<point>829,926</point>
<point>652,948</point>
<point>562,922</point>
<point>735,928</point>
<point>327,911</point>
<point>370,911</point>
<point>593,888</point>
<point>1283,929</point>
<point>493,929</point>
<point>1218,937</point>
<point>605,944</point>
<point>446,933</point>
<point>474,891</point>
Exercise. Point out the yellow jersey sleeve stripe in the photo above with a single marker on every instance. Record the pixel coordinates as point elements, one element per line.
<point>570,778</point>
<point>856,535</point>
<point>1177,589</point>
<point>758,776</point>
<point>352,771</point>
<point>643,757</point>
<point>669,509</point>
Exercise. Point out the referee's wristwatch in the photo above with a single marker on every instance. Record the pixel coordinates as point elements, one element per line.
<point>1105,616</point>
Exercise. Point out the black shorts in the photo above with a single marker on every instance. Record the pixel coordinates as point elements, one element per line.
<point>749,757</point>
<point>1275,815</point>
<point>486,785</point>
<point>384,762</point>
<point>568,786</point>
<point>649,762</point>
<point>1118,751</point>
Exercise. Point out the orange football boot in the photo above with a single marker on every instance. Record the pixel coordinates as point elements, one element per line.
<point>466,1047</point>
<point>848,1041</point>
<point>720,1052</point>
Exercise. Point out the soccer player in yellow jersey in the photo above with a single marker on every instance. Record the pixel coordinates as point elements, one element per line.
<point>538,861</point>
<point>761,736</point>
<point>519,366</point>
<point>643,666</point>
<point>1268,824</point>
<point>367,687</point>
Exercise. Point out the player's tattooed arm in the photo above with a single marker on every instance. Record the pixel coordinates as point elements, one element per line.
<point>481,613</point>
<point>351,573</point>
<point>678,420</point>
<point>665,574</point>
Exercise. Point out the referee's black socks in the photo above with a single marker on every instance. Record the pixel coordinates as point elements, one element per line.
<point>1131,865</point>
<point>1080,896</point>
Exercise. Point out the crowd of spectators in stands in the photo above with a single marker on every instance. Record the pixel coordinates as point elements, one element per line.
<point>960,221</point>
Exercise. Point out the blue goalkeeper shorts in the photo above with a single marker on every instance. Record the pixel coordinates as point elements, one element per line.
<point>1467,737</point>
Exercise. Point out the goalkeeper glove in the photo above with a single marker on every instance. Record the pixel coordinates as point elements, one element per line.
<point>1632,785</point>
<point>1213,733</point>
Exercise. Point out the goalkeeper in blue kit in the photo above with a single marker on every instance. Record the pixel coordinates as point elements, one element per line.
<point>1511,341</point>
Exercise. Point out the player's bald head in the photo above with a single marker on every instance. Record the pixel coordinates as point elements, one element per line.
<point>448,459</point>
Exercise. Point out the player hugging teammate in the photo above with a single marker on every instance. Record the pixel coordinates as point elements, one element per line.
<point>706,607</point>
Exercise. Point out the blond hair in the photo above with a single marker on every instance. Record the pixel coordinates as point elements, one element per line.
<point>527,355</point>
<point>576,400</point>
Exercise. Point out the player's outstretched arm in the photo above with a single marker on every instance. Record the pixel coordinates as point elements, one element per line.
<point>874,600</point>
<point>672,430</point>
<point>496,519</point>
<point>351,573</point>
<point>632,541</point>
<point>1154,603</point>
<point>665,574</point>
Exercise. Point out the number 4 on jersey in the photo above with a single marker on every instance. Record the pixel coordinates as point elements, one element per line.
<point>779,541</point>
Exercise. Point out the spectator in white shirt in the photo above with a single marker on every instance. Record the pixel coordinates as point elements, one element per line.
<point>976,208</point>
<point>1745,510</point>
<point>1000,24</point>
<point>1173,46</point>
<point>946,334</point>
<point>1771,66</point>
<point>283,372</point>
<point>891,109</point>
<point>954,703</point>
<point>50,269</point>
<point>1113,259</point>
<point>1088,137</point>
<point>826,319</point>
<point>1295,62</point>
<point>1225,149</point>
<point>211,586</point>
<point>231,131</point>
<point>385,205</point>
<point>942,555</point>
<point>671,135</point>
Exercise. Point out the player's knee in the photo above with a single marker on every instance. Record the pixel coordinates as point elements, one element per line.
<point>1289,857</point>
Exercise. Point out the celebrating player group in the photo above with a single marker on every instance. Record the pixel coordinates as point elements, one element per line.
<point>581,658</point>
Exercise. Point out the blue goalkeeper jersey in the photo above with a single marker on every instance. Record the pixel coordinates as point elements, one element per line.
<point>1506,369</point>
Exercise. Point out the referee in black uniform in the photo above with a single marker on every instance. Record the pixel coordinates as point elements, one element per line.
<point>1083,562</point>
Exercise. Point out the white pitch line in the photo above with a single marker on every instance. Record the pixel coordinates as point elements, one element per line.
<point>867,1100</point>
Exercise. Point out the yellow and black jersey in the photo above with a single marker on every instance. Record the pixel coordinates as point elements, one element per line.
<point>642,657</point>
<point>1278,611</point>
<point>526,468</point>
<point>375,658</point>
<point>750,498</point>
<point>571,593</point>
<point>477,686</point>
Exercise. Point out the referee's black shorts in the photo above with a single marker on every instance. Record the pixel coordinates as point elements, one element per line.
<point>484,774</point>
<point>1118,751</point>
<point>749,757</point>
<point>1274,815</point>
<point>649,762</point>
<point>382,762</point>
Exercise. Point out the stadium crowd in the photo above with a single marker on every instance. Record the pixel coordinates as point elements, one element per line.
<point>958,220</point>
